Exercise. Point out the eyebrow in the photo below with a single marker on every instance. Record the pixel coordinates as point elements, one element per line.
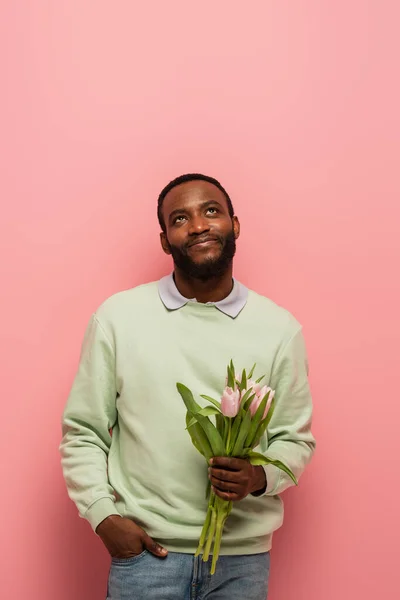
<point>203,205</point>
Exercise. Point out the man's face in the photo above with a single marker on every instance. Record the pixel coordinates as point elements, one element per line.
<point>200,234</point>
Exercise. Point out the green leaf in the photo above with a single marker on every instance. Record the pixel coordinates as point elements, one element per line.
<point>243,432</point>
<point>220,423</point>
<point>243,382</point>
<point>234,432</point>
<point>199,439</point>
<point>209,399</point>
<point>259,380</point>
<point>246,452</point>
<point>263,425</point>
<point>256,421</point>
<point>250,375</point>
<point>231,376</point>
<point>226,428</point>
<point>248,402</point>
<point>187,397</point>
<point>270,412</point>
<point>245,397</point>
<point>255,458</point>
<point>204,412</point>
<point>212,434</point>
<point>259,433</point>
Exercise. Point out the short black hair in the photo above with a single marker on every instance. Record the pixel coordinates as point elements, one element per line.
<point>185,179</point>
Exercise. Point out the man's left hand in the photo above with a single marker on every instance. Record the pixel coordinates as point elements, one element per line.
<point>233,479</point>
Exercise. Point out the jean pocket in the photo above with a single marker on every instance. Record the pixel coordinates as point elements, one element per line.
<point>127,561</point>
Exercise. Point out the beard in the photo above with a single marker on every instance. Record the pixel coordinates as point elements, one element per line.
<point>210,268</point>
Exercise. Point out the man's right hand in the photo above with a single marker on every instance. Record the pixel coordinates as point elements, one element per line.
<point>124,539</point>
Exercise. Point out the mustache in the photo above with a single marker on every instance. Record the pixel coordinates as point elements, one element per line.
<point>201,240</point>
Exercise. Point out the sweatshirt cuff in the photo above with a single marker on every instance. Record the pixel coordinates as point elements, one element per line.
<point>100,510</point>
<point>273,475</point>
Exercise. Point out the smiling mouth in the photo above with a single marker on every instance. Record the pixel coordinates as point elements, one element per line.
<point>204,242</point>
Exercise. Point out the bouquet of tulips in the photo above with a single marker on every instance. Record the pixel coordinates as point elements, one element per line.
<point>241,419</point>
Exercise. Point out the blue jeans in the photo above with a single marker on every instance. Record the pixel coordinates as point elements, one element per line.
<point>185,577</point>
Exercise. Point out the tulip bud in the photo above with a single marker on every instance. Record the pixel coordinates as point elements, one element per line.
<point>230,402</point>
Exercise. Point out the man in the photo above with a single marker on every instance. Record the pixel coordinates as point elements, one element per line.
<point>128,462</point>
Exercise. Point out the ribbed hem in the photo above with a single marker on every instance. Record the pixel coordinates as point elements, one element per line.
<point>100,510</point>
<point>240,547</point>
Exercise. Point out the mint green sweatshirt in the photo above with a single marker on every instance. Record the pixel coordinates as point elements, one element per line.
<point>124,447</point>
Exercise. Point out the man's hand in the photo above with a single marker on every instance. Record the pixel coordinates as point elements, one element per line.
<point>235,478</point>
<point>123,538</point>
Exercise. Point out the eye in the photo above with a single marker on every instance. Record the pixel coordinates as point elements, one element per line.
<point>213,210</point>
<point>179,219</point>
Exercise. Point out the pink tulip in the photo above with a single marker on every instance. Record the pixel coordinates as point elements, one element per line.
<point>260,394</point>
<point>256,387</point>
<point>269,401</point>
<point>230,402</point>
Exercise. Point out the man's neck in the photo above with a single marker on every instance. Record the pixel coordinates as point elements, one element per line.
<point>212,290</point>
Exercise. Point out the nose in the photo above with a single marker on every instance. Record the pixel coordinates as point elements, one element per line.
<point>198,225</point>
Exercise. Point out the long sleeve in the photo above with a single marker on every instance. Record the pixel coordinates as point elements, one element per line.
<point>289,433</point>
<point>89,415</point>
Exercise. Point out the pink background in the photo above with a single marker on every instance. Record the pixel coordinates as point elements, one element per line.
<point>295,107</point>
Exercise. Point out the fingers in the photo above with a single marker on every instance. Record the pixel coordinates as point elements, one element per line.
<point>227,495</point>
<point>229,477</point>
<point>233,476</point>
<point>228,462</point>
<point>153,547</point>
<point>225,486</point>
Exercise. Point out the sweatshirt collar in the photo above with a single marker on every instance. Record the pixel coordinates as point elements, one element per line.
<point>231,305</point>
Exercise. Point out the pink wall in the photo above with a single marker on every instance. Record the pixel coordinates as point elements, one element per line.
<point>295,107</point>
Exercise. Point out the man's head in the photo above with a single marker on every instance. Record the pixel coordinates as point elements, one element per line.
<point>198,225</point>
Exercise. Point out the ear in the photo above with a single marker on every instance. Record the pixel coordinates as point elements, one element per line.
<point>236,227</point>
<point>165,243</point>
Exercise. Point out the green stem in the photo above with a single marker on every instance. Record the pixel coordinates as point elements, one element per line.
<point>229,435</point>
<point>223,510</point>
<point>211,531</point>
<point>217,544</point>
<point>205,526</point>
